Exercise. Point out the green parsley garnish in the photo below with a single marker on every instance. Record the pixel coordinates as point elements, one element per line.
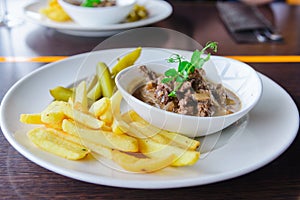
<point>90,3</point>
<point>186,67</point>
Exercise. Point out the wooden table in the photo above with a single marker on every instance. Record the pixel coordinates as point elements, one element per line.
<point>21,49</point>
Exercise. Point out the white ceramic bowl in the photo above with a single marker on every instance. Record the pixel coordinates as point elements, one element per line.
<point>239,77</point>
<point>96,16</point>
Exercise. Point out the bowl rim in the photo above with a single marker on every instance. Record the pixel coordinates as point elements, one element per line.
<point>95,8</point>
<point>191,117</point>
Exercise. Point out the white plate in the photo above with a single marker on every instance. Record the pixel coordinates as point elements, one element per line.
<point>256,140</point>
<point>158,10</point>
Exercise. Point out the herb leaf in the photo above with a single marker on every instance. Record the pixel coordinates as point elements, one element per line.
<point>175,58</point>
<point>172,94</point>
<point>171,72</point>
<point>196,57</point>
<point>90,3</point>
<point>183,66</point>
<point>186,67</point>
<point>166,80</point>
<point>180,79</point>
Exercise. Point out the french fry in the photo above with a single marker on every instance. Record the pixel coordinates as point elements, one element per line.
<point>31,118</point>
<point>83,118</point>
<point>132,116</point>
<point>91,145</point>
<point>126,117</point>
<point>148,132</point>
<point>54,114</point>
<point>99,149</point>
<point>65,136</point>
<point>59,110</point>
<point>120,124</point>
<point>91,82</point>
<point>116,103</point>
<point>181,140</point>
<point>118,127</point>
<point>141,165</point>
<point>100,106</point>
<point>105,138</point>
<point>176,138</point>
<point>81,96</point>
<point>107,116</point>
<point>184,157</point>
<point>46,139</point>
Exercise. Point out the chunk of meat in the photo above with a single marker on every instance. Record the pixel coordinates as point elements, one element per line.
<point>196,96</point>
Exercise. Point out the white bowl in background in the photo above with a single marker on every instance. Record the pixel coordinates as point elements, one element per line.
<point>94,17</point>
<point>236,76</point>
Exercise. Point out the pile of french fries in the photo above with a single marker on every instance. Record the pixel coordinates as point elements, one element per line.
<point>75,125</point>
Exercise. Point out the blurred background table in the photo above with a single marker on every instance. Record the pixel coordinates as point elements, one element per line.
<point>29,46</point>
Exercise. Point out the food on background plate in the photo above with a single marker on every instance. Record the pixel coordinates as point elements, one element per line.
<point>92,3</point>
<point>138,12</point>
<point>75,125</point>
<point>55,12</point>
<point>187,90</point>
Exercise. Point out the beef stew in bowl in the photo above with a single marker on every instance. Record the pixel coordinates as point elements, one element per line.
<point>237,77</point>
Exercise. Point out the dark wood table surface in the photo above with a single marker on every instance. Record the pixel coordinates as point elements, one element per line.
<point>280,179</point>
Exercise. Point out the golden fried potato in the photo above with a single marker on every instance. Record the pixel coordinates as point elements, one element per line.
<point>57,111</point>
<point>107,116</point>
<point>48,140</point>
<point>108,139</point>
<point>142,165</point>
<point>83,118</point>
<point>119,123</point>
<point>54,114</point>
<point>31,118</point>
<point>119,127</point>
<point>181,140</point>
<point>100,106</point>
<point>148,132</point>
<point>184,157</point>
<point>81,97</point>
<point>91,145</point>
<point>159,135</point>
<point>173,138</point>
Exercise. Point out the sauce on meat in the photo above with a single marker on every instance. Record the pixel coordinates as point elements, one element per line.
<point>196,97</point>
